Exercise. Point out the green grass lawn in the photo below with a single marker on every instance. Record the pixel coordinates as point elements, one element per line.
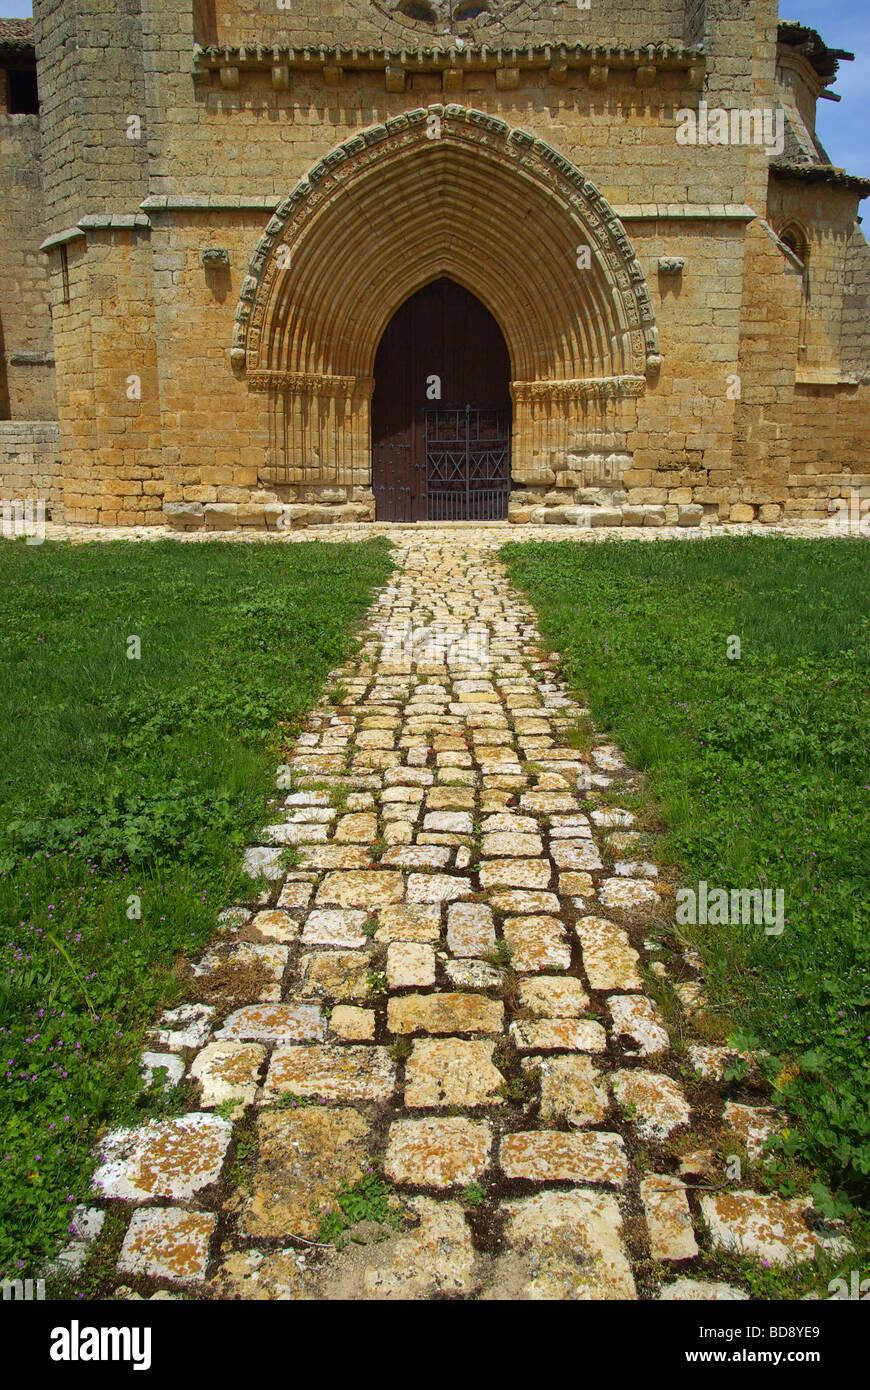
<point>760,769</point>
<point>126,778</point>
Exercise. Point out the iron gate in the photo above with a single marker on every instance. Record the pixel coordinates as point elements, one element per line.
<point>467,464</point>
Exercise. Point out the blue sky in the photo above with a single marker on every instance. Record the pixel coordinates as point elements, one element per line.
<point>844,127</point>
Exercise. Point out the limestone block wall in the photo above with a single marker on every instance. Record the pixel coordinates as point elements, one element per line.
<point>830,448</point>
<point>510,22</point>
<point>768,354</point>
<point>108,400</point>
<point>682,448</point>
<point>92,80</point>
<point>26,350</point>
<point>30,464</point>
<point>826,216</point>
<point>855,334</point>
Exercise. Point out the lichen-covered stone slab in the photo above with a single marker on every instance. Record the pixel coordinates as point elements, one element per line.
<point>511,845</point>
<point>410,965</point>
<point>700,1291</point>
<point>628,894</point>
<point>472,974</point>
<point>564,1246</point>
<point>754,1126</point>
<point>435,1260</point>
<point>437,888</point>
<point>339,927</point>
<point>163,1158</point>
<point>668,1218</point>
<point>264,1276</point>
<point>263,862</point>
<point>555,1156</point>
<point>275,1023</point>
<point>351,1024</point>
<point>516,873</point>
<point>553,996</point>
<point>609,960</point>
<point>445,1013</point>
<point>575,854</point>
<point>451,1071</point>
<point>374,888</point>
<point>342,975</point>
<point>566,1034</point>
<point>228,1071</point>
<point>168,1243</point>
<point>571,1091</point>
<point>275,924</point>
<point>537,943</point>
<point>187,1026</point>
<point>420,856</point>
<point>303,1157</point>
<point>436,1152</point>
<point>523,902</point>
<point>655,1102</point>
<point>417,922</point>
<point>470,929</point>
<point>768,1228</point>
<point>334,1073</point>
<point>638,1025</point>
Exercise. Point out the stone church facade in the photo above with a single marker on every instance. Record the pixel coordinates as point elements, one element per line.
<point>270,264</point>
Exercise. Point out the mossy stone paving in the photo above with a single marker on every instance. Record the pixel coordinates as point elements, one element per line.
<point>458,1000</point>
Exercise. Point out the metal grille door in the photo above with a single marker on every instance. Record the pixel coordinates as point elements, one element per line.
<point>467,464</point>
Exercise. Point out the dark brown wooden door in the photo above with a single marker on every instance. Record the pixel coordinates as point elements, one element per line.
<point>441,351</point>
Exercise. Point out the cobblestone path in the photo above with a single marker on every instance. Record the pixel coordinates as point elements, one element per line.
<point>456,982</point>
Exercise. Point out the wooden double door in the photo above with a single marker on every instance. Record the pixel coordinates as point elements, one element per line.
<point>441,411</point>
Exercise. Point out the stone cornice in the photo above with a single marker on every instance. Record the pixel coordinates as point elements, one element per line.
<point>726,212</point>
<point>643,61</point>
<point>821,173</point>
<point>530,55</point>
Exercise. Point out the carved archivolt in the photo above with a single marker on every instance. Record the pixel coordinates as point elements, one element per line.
<point>446,190</point>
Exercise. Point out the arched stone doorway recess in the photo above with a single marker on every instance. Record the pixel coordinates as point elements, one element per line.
<point>443,192</point>
<point>441,411</point>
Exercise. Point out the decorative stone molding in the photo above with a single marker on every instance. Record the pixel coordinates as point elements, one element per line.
<point>311,383</point>
<point>213,257</point>
<point>592,389</point>
<point>671,265</point>
<point>596,60</point>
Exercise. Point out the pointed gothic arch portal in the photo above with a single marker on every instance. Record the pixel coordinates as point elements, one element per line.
<point>441,410</point>
<point>400,206</point>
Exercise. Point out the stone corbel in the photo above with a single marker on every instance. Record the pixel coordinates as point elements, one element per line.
<point>645,75</point>
<point>280,77</point>
<point>333,75</point>
<point>598,75</point>
<point>395,78</point>
<point>230,78</point>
